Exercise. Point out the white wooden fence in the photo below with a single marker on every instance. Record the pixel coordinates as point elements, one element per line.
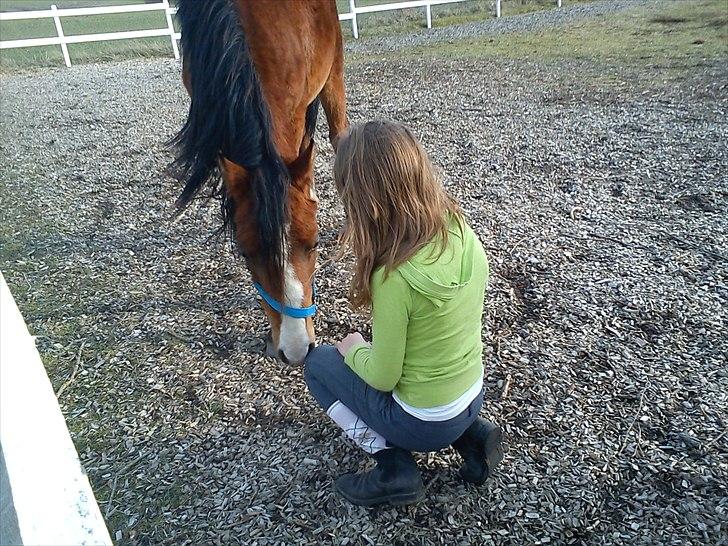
<point>63,40</point>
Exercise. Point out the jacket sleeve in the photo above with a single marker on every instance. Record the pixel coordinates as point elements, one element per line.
<point>379,364</point>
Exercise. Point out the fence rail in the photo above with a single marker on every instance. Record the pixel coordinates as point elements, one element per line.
<point>63,40</point>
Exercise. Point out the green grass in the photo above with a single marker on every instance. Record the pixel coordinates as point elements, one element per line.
<point>391,22</point>
<point>676,33</point>
<point>12,59</point>
<point>25,5</point>
<point>387,22</point>
<point>374,24</point>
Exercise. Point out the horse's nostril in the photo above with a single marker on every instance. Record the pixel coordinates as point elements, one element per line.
<point>282,356</point>
<point>311,347</point>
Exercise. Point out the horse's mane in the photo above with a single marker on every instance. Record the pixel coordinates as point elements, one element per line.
<point>228,114</point>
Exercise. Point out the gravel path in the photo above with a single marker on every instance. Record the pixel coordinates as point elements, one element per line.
<point>537,20</point>
<point>603,208</point>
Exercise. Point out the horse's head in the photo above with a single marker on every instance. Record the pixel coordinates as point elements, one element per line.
<point>285,279</point>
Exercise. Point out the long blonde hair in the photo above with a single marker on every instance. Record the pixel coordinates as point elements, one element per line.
<point>394,201</point>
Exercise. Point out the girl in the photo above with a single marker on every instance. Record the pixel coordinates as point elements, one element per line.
<point>419,267</point>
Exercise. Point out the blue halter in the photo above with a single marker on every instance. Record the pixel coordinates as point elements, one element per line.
<point>278,307</point>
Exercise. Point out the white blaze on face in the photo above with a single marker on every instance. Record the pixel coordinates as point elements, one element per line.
<point>294,336</point>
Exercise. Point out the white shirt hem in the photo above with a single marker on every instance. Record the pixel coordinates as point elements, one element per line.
<point>447,411</point>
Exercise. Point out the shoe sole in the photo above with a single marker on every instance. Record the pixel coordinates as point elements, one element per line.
<point>492,453</point>
<point>395,500</point>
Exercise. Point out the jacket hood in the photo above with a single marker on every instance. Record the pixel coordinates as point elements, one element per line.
<point>439,279</point>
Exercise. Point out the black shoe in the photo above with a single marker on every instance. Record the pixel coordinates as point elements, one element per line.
<point>481,447</point>
<point>396,480</point>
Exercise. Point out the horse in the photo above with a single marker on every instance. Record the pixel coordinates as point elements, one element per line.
<point>256,73</point>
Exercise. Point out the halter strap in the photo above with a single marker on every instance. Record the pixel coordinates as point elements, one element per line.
<point>278,307</point>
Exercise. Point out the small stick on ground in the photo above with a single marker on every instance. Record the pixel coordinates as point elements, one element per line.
<point>716,438</point>
<point>506,387</point>
<point>629,429</point>
<point>73,373</point>
<point>179,337</point>
<point>111,498</point>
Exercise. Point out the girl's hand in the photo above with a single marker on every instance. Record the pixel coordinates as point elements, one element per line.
<point>348,342</point>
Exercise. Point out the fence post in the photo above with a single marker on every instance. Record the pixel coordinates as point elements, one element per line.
<point>497,8</point>
<point>354,25</point>
<point>428,10</point>
<point>59,30</point>
<point>170,25</point>
<point>558,3</point>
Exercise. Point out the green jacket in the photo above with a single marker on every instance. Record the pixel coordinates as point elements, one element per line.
<point>426,324</point>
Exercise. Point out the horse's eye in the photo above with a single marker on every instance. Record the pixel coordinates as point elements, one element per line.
<point>314,246</point>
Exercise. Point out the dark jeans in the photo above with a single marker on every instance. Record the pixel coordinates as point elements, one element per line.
<point>329,379</point>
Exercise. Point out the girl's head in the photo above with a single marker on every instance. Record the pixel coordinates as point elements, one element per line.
<point>394,201</point>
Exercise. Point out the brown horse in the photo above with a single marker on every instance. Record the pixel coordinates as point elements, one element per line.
<point>256,72</point>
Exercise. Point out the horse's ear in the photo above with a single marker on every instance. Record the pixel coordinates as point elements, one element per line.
<point>236,178</point>
<point>303,164</point>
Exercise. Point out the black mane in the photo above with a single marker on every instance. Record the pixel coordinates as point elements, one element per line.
<point>228,115</point>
